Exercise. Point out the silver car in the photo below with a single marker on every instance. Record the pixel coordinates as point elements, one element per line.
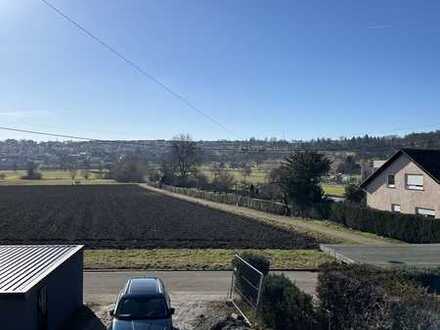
<point>143,304</point>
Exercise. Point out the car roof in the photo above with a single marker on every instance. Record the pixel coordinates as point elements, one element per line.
<point>142,286</point>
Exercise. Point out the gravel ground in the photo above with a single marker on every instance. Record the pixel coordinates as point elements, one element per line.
<point>193,312</point>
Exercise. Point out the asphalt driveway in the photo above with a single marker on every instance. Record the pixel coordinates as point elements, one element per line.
<point>103,287</point>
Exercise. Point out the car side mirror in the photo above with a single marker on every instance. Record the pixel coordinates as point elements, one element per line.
<point>111,312</point>
<point>172,311</point>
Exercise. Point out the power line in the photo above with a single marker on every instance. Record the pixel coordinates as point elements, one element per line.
<point>135,66</point>
<point>19,130</point>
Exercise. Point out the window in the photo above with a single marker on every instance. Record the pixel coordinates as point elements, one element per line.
<point>391,181</point>
<point>414,182</point>
<point>429,213</point>
<point>142,308</point>
<point>395,208</point>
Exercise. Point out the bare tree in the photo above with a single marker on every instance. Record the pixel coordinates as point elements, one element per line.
<point>183,159</point>
<point>246,171</point>
<point>223,180</point>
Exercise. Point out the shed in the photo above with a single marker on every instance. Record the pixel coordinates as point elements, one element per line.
<point>41,286</point>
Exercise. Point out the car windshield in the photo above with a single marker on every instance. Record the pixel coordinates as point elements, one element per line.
<point>142,308</point>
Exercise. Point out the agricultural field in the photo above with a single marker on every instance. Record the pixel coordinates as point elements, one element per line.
<point>127,216</point>
<point>49,176</point>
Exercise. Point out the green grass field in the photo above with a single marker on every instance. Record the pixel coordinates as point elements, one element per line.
<point>337,190</point>
<point>197,259</point>
<point>259,176</point>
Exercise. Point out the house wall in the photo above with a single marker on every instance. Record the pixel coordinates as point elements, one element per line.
<point>380,196</point>
<point>64,296</point>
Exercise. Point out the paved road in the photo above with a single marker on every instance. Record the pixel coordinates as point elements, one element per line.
<point>102,287</point>
<point>407,255</point>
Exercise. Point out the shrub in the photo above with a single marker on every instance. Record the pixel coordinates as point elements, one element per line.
<point>427,278</point>
<point>354,194</point>
<point>322,210</point>
<point>32,172</point>
<point>365,297</point>
<point>284,306</point>
<point>129,169</point>
<point>33,176</point>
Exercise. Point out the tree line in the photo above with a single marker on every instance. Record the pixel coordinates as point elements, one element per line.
<point>296,182</point>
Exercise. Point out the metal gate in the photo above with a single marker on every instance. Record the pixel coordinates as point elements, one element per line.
<point>246,287</point>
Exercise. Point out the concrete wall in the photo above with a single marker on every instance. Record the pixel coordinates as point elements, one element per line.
<point>380,196</point>
<point>64,296</point>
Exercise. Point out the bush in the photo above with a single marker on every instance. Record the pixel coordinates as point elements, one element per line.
<point>427,278</point>
<point>354,194</point>
<point>284,306</point>
<point>129,169</point>
<point>365,297</point>
<point>322,210</point>
<point>33,176</point>
<point>405,227</point>
<point>260,262</point>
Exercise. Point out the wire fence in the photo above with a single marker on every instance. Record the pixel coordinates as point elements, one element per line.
<point>231,199</point>
<point>246,288</point>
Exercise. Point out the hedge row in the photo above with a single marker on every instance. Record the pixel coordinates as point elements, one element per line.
<point>405,227</point>
<point>364,297</point>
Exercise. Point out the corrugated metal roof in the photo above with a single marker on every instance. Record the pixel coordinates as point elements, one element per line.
<point>23,266</point>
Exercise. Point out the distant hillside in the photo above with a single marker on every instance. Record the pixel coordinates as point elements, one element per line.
<point>16,154</point>
<point>368,146</point>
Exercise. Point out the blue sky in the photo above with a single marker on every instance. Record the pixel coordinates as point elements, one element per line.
<point>293,69</point>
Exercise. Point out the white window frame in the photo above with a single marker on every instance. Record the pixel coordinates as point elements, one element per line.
<point>414,186</point>
<point>396,208</point>
<point>429,213</point>
<point>391,185</point>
